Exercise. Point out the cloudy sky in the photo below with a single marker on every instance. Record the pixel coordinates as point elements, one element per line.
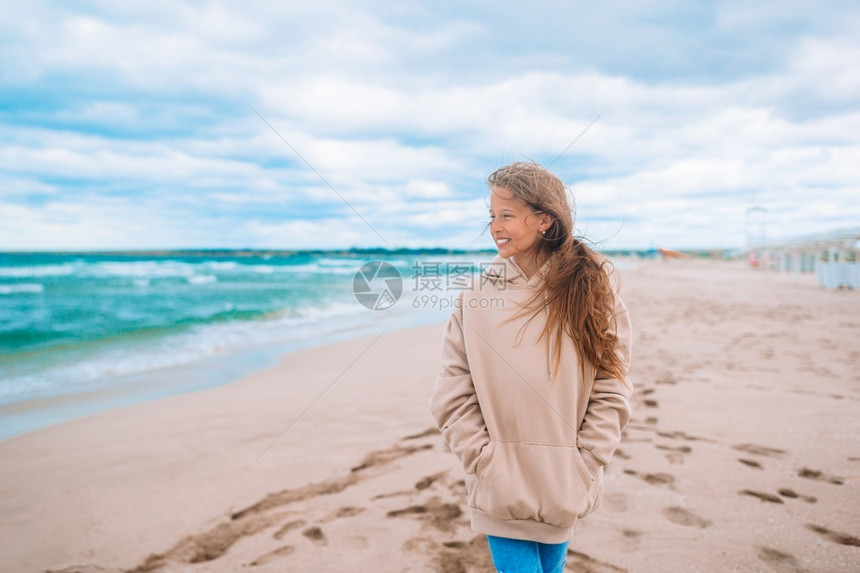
<point>338,124</point>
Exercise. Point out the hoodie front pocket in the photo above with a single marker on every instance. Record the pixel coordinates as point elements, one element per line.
<point>540,482</point>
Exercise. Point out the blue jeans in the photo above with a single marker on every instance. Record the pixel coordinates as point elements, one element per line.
<point>519,556</point>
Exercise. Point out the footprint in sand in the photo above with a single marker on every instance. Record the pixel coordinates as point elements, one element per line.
<point>453,556</point>
<point>393,494</point>
<point>820,476</point>
<point>679,435</point>
<point>316,535</point>
<point>383,457</point>
<point>425,434</point>
<point>758,450</point>
<point>435,513</point>
<point>631,539</point>
<point>458,488</point>
<point>675,455</point>
<point>835,536</point>
<point>750,463</point>
<point>461,556</point>
<point>786,492</point>
<point>761,495</point>
<point>658,478</point>
<point>681,516</point>
<point>426,482</point>
<point>272,555</point>
<point>287,527</point>
<point>347,511</point>
<point>781,561</point>
<point>577,561</point>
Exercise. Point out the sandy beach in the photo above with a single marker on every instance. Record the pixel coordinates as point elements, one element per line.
<point>742,455</point>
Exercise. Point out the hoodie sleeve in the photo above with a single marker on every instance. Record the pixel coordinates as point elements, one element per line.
<point>608,408</point>
<point>454,403</point>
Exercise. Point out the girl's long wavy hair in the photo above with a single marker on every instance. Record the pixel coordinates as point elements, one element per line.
<point>576,288</point>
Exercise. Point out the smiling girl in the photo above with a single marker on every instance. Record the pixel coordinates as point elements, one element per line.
<point>532,395</point>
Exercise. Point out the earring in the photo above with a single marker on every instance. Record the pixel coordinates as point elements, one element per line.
<point>543,232</point>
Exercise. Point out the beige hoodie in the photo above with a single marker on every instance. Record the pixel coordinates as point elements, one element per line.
<point>533,446</point>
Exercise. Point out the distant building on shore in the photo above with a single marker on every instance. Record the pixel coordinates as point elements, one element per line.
<point>833,256</point>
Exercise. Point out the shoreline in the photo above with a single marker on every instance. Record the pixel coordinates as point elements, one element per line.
<point>328,460</point>
<point>155,439</point>
<point>34,414</point>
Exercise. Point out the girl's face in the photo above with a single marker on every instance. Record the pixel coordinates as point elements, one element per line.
<point>515,227</point>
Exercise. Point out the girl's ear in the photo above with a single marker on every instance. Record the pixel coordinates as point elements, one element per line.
<point>545,219</point>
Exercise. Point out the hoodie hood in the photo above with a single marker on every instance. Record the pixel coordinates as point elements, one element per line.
<point>506,271</point>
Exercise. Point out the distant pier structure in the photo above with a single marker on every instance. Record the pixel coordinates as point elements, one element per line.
<point>834,257</point>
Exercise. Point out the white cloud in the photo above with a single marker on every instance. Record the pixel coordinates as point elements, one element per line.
<point>149,110</point>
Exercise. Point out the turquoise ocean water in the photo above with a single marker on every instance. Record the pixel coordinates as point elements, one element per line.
<point>82,333</point>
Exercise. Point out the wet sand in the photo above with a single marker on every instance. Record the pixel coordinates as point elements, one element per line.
<point>742,454</point>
